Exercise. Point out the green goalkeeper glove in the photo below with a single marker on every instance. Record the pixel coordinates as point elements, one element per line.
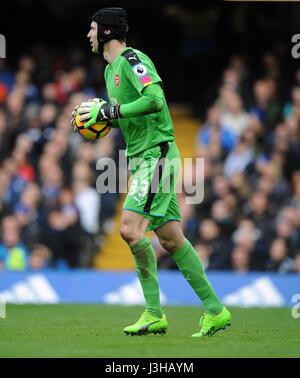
<point>97,110</point>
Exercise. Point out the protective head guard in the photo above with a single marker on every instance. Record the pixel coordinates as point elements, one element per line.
<point>112,24</point>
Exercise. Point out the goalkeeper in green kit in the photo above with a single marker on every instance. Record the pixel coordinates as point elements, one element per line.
<point>137,106</point>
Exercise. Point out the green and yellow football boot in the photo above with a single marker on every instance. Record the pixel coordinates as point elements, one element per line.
<point>210,324</point>
<point>147,324</point>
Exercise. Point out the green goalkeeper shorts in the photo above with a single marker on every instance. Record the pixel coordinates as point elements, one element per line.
<point>152,184</point>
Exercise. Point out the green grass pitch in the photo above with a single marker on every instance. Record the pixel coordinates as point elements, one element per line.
<point>96,331</point>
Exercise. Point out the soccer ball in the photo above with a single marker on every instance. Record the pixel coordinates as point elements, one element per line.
<point>96,131</point>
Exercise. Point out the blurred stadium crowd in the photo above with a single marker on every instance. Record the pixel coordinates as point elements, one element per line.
<point>250,139</point>
<point>52,216</point>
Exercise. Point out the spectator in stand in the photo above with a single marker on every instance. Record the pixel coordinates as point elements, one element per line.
<point>39,257</point>
<point>27,213</point>
<point>239,159</point>
<point>13,253</point>
<point>241,186</point>
<point>287,231</point>
<point>292,109</point>
<point>87,201</point>
<point>62,234</point>
<point>279,260</point>
<point>52,183</point>
<point>214,131</point>
<point>240,259</point>
<point>221,214</point>
<point>266,108</point>
<point>235,118</point>
<point>217,245</point>
<point>246,237</point>
<point>259,212</point>
<point>220,187</point>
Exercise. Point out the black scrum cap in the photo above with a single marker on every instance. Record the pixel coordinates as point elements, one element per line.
<point>112,24</point>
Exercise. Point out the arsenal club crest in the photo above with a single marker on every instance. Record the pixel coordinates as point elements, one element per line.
<point>117,80</point>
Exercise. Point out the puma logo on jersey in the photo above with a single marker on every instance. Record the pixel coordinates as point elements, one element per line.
<point>132,57</point>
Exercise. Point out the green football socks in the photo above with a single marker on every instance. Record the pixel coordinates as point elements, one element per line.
<point>146,267</point>
<point>191,267</point>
